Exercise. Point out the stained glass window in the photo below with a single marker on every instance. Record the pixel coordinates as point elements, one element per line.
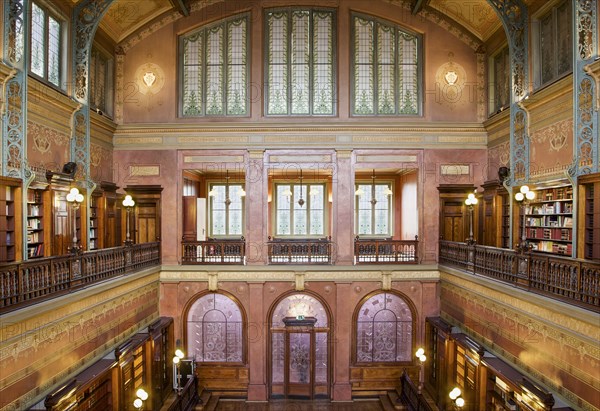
<point>501,80</point>
<point>385,68</point>
<point>300,62</point>
<point>214,329</point>
<point>100,81</point>
<point>555,43</point>
<point>384,330</point>
<point>300,209</point>
<point>215,69</point>
<point>46,45</point>
<point>226,209</point>
<point>373,217</point>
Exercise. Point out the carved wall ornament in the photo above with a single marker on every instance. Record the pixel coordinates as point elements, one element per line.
<point>43,137</point>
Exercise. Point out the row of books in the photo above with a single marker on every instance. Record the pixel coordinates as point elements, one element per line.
<point>558,207</point>
<point>552,247</point>
<point>34,224</point>
<point>562,234</point>
<point>35,251</point>
<point>562,193</point>
<point>550,221</point>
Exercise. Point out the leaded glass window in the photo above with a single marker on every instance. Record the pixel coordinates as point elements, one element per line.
<point>300,62</point>
<point>300,209</point>
<point>215,69</point>
<point>501,80</point>
<point>384,330</point>
<point>386,72</point>
<point>214,329</point>
<point>46,45</point>
<point>100,81</point>
<point>373,217</point>
<point>226,209</point>
<point>555,43</point>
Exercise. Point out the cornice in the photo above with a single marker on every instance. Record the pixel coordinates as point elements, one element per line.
<point>270,273</point>
<point>336,135</point>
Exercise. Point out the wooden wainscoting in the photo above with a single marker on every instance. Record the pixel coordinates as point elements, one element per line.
<point>229,381</point>
<point>369,381</point>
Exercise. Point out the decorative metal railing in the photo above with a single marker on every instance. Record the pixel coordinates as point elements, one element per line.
<point>386,251</point>
<point>569,279</point>
<point>214,252</point>
<point>32,281</point>
<point>300,251</point>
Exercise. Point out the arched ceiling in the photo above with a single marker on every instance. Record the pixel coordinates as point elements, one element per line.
<point>126,17</point>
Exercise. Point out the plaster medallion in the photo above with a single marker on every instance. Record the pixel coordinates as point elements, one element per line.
<point>149,78</point>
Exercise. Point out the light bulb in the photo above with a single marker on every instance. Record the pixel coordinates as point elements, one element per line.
<point>468,201</point>
<point>524,189</point>
<point>142,394</point>
<point>420,352</point>
<point>474,201</point>
<point>519,196</point>
<point>179,353</point>
<point>530,195</point>
<point>74,191</point>
<point>176,360</point>
<point>137,403</point>
<point>422,358</point>
<point>70,197</point>
<point>79,198</point>
<point>460,402</point>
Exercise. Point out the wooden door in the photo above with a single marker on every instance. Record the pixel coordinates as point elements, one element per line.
<point>62,228</point>
<point>146,220</point>
<point>453,221</point>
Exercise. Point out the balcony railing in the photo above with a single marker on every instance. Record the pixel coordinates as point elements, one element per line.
<point>385,251</point>
<point>568,279</point>
<point>32,281</point>
<point>214,252</point>
<point>410,395</point>
<point>300,251</point>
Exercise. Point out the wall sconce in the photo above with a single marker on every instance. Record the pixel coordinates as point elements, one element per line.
<point>141,397</point>
<point>420,354</point>
<point>176,361</point>
<point>471,201</point>
<point>128,203</point>
<point>454,395</point>
<point>524,196</point>
<point>75,198</point>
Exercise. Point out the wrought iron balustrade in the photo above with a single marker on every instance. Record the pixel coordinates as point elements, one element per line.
<point>300,251</point>
<point>214,251</point>
<point>32,281</point>
<point>568,279</point>
<point>369,251</point>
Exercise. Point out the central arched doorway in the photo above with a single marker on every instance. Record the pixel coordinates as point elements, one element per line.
<point>299,360</point>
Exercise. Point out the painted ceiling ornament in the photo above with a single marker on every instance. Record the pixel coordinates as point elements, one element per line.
<point>149,78</point>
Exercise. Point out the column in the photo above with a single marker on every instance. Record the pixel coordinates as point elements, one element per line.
<point>343,208</point>
<point>342,391</point>
<point>257,353</point>
<point>257,207</point>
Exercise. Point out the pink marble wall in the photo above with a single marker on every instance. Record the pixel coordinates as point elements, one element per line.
<point>551,150</point>
<point>169,178</point>
<point>341,299</point>
<point>440,47</point>
<point>101,163</point>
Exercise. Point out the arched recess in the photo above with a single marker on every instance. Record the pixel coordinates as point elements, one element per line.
<point>383,329</point>
<point>214,329</point>
<point>299,359</point>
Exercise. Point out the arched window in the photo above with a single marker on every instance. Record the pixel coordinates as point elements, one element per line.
<point>214,69</point>
<point>384,329</point>
<point>385,68</point>
<point>214,329</point>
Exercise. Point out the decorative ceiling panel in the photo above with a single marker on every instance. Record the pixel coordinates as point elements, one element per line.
<point>477,16</point>
<point>124,17</point>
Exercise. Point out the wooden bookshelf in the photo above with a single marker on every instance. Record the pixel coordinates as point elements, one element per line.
<point>589,217</point>
<point>10,221</point>
<point>35,223</point>
<point>94,220</point>
<point>549,220</point>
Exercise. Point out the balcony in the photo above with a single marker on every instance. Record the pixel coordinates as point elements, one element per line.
<point>571,280</point>
<point>214,251</point>
<point>29,282</point>
<point>385,251</point>
<point>300,251</point>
